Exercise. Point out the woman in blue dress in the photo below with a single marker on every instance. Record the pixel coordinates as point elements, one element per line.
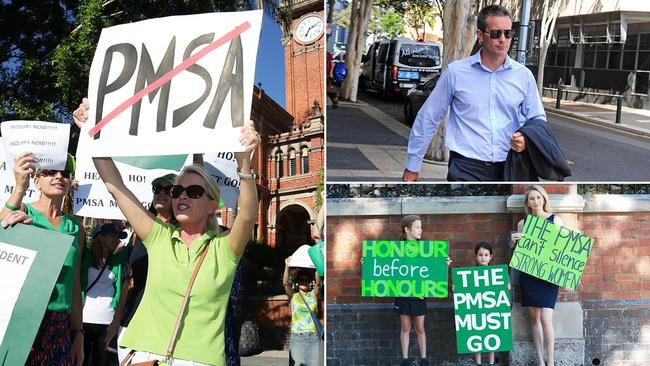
<point>536,294</point>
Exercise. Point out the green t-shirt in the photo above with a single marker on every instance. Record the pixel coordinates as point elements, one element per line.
<point>61,298</point>
<point>171,263</point>
<point>301,321</point>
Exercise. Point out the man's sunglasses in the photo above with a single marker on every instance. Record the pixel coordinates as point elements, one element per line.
<point>193,191</point>
<point>50,173</point>
<point>159,189</point>
<point>496,33</point>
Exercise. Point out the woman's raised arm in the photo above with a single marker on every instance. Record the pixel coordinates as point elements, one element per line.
<point>140,219</point>
<point>242,228</point>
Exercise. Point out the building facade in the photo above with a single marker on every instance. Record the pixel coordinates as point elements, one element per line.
<point>597,46</point>
<point>289,163</point>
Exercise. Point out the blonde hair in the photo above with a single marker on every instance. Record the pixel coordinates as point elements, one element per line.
<point>212,190</point>
<point>541,191</point>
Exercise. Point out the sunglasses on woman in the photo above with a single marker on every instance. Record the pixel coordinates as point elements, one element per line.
<point>50,173</point>
<point>193,191</point>
<point>159,189</point>
<point>496,33</point>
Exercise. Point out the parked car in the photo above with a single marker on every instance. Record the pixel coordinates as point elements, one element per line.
<point>416,97</point>
<point>392,67</point>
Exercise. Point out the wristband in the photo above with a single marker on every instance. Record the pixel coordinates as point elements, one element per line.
<point>252,175</point>
<point>11,207</point>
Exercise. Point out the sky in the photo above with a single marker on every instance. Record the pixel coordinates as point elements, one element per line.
<point>269,69</point>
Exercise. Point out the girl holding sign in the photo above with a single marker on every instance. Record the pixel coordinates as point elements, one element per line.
<point>60,338</point>
<point>536,294</point>
<point>196,258</point>
<point>483,252</point>
<point>412,309</point>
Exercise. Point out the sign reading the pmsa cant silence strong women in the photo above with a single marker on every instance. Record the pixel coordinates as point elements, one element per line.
<point>552,252</point>
<point>482,309</point>
<point>404,268</point>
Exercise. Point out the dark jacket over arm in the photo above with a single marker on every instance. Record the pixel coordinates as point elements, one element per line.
<point>541,159</point>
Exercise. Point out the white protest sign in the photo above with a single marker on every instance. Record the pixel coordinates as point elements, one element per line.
<point>300,258</point>
<point>46,140</point>
<point>223,167</point>
<point>15,263</point>
<point>173,85</point>
<point>92,199</point>
<point>8,181</point>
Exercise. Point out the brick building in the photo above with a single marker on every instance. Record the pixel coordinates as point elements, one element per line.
<point>606,321</point>
<point>289,164</point>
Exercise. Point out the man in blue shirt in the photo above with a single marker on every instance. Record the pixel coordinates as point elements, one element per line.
<point>490,96</point>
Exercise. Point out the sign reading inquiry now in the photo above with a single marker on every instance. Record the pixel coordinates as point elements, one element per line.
<point>552,252</point>
<point>174,85</point>
<point>404,268</point>
<point>482,309</point>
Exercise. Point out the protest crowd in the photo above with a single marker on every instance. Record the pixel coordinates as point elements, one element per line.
<point>113,305</point>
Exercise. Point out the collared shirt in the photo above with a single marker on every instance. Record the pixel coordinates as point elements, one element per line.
<point>62,294</point>
<point>486,108</point>
<point>171,263</point>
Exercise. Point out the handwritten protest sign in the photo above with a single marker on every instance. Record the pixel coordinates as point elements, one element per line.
<point>8,181</point>
<point>552,252</point>
<point>92,199</point>
<point>223,167</point>
<point>15,262</point>
<point>173,85</point>
<point>404,268</point>
<point>47,141</point>
<point>482,309</point>
<point>28,271</point>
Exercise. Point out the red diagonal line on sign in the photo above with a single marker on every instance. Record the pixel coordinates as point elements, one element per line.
<point>168,76</point>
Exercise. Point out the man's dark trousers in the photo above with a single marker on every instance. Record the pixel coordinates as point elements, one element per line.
<point>464,169</point>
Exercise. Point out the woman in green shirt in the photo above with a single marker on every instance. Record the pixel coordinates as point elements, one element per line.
<point>174,252</point>
<point>60,337</point>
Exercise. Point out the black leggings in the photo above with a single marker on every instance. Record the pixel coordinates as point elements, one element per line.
<point>94,352</point>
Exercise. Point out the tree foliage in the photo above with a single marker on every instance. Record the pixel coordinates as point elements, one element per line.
<point>392,23</point>
<point>47,47</point>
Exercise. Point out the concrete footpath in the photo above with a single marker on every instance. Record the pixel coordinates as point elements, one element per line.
<point>267,358</point>
<point>364,144</point>
<point>634,121</point>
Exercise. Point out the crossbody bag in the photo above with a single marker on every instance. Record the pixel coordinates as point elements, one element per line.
<point>314,318</point>
<point>172,342</point>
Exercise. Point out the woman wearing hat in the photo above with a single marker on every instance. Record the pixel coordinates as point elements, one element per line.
<point>102,276</point>
<point>60,337</point>
<point>304,344</point>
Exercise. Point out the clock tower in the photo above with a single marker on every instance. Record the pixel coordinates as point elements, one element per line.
<point>304,58</point>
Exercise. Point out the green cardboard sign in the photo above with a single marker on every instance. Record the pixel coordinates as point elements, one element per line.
<point>36,256</point>
<point>552,252</point>
<point>482,309</point>
<point>404,268</point>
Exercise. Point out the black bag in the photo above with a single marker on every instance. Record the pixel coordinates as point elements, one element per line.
<point>249,339</point>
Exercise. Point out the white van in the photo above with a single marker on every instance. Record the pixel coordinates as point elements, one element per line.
<point>392,67</point>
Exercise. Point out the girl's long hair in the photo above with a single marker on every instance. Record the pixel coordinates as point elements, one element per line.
<point>407,222</point>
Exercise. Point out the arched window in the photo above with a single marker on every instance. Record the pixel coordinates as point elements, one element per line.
<point>292,163</point>
<point>279,165</point>
<point>304,157</point>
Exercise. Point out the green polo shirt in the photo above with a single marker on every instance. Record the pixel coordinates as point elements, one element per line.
<point>61,298</point>
<point>171,263</point>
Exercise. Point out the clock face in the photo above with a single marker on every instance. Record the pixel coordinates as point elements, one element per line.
<point>309,29</point>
